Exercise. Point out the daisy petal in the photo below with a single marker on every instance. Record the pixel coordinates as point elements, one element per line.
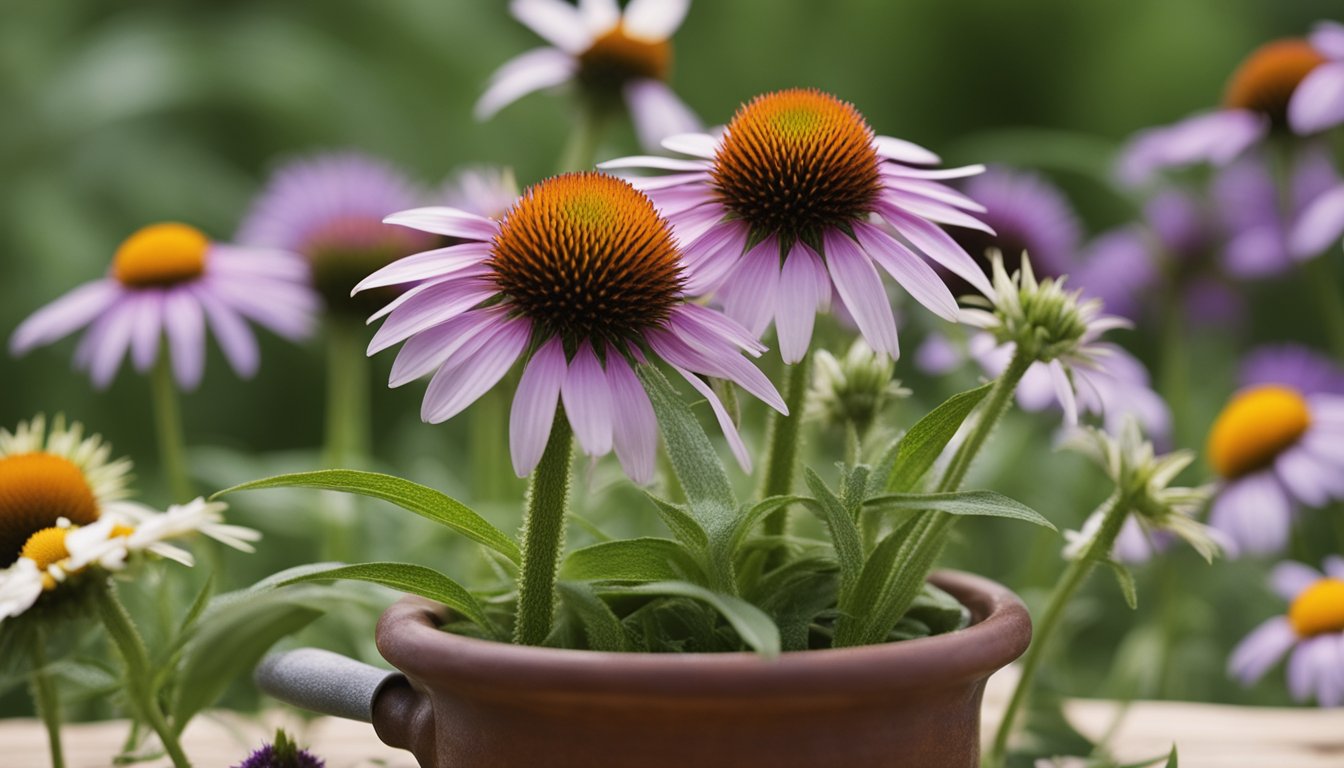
<point>588,401</point>
<point>533,410</point>
<point>526,73</point>
<point>803,284</point>
<point>231,333</point>
<point>557,22</point>
<point>635,427</point>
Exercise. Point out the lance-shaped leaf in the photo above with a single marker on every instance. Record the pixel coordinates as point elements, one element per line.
<point>924,443</point>
<point>642,560</point>
<point>969,503</point>
<point>751,624</point>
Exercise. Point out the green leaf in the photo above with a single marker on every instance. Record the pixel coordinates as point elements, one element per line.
<point>602,628</point>
<point>1126,581</point>
<point>1171,760</point>
<point>643,559</point>
<point>701,474</point>
<point>426,502</point>
<point>925,441</point>
<point>679,521</point>
<point>844,531</point>
<point>976,503</point>
<point>751,624</point>
<point>405,577</point>
<point>754,515</point>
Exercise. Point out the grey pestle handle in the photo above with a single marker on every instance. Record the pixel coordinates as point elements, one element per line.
<point>325,682</point>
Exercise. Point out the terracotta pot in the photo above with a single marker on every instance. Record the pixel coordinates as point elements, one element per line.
<point>477,704</point>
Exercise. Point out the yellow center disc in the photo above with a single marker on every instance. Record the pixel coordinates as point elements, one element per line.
<point>161,254</point>
<point>1255,427</point>
<point>1320,608</point>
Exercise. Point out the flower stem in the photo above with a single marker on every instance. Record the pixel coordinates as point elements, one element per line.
<point>1113,518</point>
<point>1000,397</point>
<point>1325,289</point>
<point>580,152</point>
<point>544,535</point>
<point>347,427</point>
<point>782,459</point>
<point>47,699</point>
<point>139,671</point>
<point>489,452</point>
<point>168,424</point>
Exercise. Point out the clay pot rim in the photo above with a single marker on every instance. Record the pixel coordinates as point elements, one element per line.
<point>409,637</point>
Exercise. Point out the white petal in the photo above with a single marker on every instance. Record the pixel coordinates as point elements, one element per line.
<point>654,19</point>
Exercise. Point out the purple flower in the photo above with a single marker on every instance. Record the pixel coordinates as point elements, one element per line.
<point>1277,444</point>
<point>1313,630</point>
<point>583,279</point>
<point>284,753</point>
<point>775,211</point>
<point>329,208</point>
<point>1028,214</point>
<point>1296,84</point>
<point>168,280</point>
<point>613,57</point>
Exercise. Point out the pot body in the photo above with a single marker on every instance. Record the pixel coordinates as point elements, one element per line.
<point>478,704</point>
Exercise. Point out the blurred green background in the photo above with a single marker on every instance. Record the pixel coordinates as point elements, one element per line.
<point>117,114</point>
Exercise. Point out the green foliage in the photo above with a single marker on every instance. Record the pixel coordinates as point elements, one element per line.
<point>755,628</point>
<point>633,560</point>
<point>921,446</point>
<point>961,503</point>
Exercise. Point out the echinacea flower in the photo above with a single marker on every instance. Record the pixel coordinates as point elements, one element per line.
<point>777,209</point>
<point>1291,84</point>
<point>63,511</point>
<point>583,279</point>
<point>329,209</point>
<point>1313,630</point>
<point>1276,445</point>
<point>283,753</point>
<point>1061,332</point>
<point>1274,225</point>
<point>169,281</point>
<point>613,57</point>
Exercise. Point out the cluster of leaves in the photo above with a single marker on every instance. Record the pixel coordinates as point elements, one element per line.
<point>717,584</point>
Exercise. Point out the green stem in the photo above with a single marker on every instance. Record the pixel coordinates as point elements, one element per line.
<point>139,671</point>
<point>1000,398</point>
<point>1328,293</point>
<point>782,459</point>
<point>489,453</point>
<point>1113,518</point>
<point>544,535</point>
<point>580,152</point>
<point>168,425</point>
<point>347,427</point>
<point>47,699</point>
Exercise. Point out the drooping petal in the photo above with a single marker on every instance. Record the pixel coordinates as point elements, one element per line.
<point>860,287</point>
<point>717,323</point>
<point>533,410</point>
<point>726,424</point>
<point>147,330</point>
<point>657,112</point>
<point>441,220</point>
<point>937,245</point>
<point>681,346</point>
<point>113,343</point>
<point>428,350</point>
<point>634,425</point>
<point>459,383</point>
<point>1318,101</point>
<point>65,315</point>
<point>557,22</point>
<point>1059,379</point>
<point>426,310</point>
<point>654,20</point>
<point>908,270</point>
<point>587,401</point>
<point>713,256</point>
<point>803,285</point>
<point>750,295</point>
<point>184,321</point>
<point>1255,513</point>
<point>526,73</point>
<point>234,337</point>
<point>1319,227</point>
<point>1261,650</point>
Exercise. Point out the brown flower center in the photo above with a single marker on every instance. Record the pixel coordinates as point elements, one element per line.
<point>36,490</point>
<point>587,257</point>
<point>616,58</point>
<point>1265,81</point>
<point>796,162</point>
<point>160,255</point>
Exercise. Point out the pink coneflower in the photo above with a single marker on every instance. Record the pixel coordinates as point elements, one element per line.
<point>329,208</point>
<point>1313,630</point>
<point>1276,445</point>
<point>613,58</point>
<point>584,279</point>
<point>168,280</point>
<point>1295,84</point>
<point>776,210</point>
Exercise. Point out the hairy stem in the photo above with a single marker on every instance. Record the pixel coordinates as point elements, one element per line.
<point>544,535</point>
<point>781,463</point>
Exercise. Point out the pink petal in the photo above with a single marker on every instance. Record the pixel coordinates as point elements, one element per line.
<point>65,315</point>
<point>937,245</point>
<point>431,349</point>
<point>904,151</point>
<point>712,257</point>
<point>860,287</point>
<point>695,144</point>
<point>1318,101</point>
<point>933,210</point>
<point>721,414</point>
<point>1319,227</point>
<point>656,111</point>
<point>1059,379</point>
<point>440,262</point>
<point>559,23</point>
<point>908,270</point>
<point>1290,579</point>
<point>112,343</point>
<point>634,426</point>
<point>535,70</point>
<point>533,410</point>
<point>460,382</point>
<point>803,285</point>
<point>426,310</point>
<point>1261,649</point>
<point>654,19</point>
<point>588,401</point>
<point>234,337</point>
<point>147,330</point>
<point>441,220</point>
<point>185,323</point>
<point>749,295</point>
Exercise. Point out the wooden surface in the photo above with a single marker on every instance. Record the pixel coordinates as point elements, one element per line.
<point>1209,736</point>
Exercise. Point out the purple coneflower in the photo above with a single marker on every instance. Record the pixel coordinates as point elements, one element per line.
<point>169,280</point>
<point>1313,630</point>
<point>613,57</point>
<point>1294,83</point>
<point>776,210</point>
<point>1274,226</point>
<point>329,208</point>
<point>1276,444</point>
<point>584,279</point>
<point>284,753</point>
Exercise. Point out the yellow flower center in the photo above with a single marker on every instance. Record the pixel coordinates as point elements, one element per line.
<point>797,161</point>
<point>46,548</point>
<point>1265,81</point>
<point>159,255</point>
<point>1255,427</point>
<point>1320,608</point>
<point>616,57</point>
<point>36,490</point>
<point>587,257</point>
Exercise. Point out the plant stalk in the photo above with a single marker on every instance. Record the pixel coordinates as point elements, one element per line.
<point>347,420</point>
<point>544,535</point>
<point>1113,518</point>
<point>781,462</point>
<point>1328,292</point>
<point>139,671</point>
<point>580,151</point>
<point>168,429</point>
<point>47,699</point>
<point>1000,397</point>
